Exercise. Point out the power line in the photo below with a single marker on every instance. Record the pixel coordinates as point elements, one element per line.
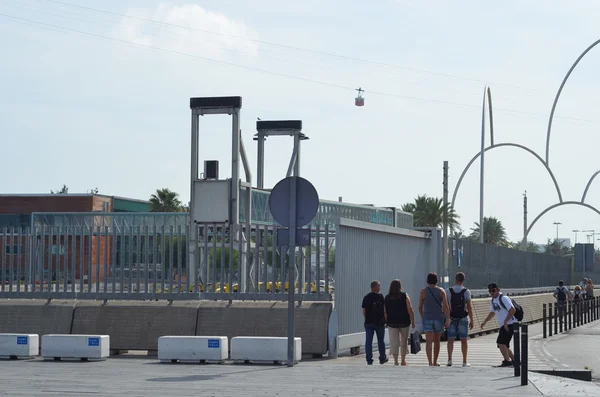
<point>268,72</point>
<point>295,48</point>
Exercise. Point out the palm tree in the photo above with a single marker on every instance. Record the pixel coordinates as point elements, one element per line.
<point>531,246</point>
<point>429,212</point>
<point>493,232</point>
<point>165,200</point>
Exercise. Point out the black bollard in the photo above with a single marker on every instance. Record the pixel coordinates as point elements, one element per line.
<point>549,319</point>
<point>517,351</point>
<point>556,318</point>
<point>561,315</point>
<point>570,314</point>
<point>524,355</point>
<point>544,321</point>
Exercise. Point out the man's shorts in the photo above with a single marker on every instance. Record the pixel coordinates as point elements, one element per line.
<point>436,326</point>
<point>458,327</point>
<point>504,336</point>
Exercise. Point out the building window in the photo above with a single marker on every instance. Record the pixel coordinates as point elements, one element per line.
<point>55,249</point>
<point>14,249</point>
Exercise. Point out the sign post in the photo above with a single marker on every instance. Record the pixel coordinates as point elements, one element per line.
<point>293,202</point>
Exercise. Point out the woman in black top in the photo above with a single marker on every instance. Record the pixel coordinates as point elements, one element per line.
<point>399,315</point>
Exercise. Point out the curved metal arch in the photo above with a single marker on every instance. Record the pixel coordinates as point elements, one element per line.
<point>591,207</point>
<point>489,95</point>
<point>511,145</point>
<point>558,95</point>
<point>588,185</point>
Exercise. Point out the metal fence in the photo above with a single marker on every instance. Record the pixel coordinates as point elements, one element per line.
<point>371,252</point>
<point>145,256</point>
<point>509,268</point>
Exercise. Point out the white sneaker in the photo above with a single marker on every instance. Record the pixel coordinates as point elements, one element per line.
<point>449,363</point>
<point>466,365</point>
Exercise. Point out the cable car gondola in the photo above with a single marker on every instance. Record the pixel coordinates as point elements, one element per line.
<point>359,100</point>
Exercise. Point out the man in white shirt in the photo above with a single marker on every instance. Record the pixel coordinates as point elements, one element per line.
<point>502,307</point>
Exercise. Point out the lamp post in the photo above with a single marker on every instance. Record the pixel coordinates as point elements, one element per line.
<point>576,234</point>
<point>557,223</point>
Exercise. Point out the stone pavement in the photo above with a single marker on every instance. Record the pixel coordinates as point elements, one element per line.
<point>137,376</point>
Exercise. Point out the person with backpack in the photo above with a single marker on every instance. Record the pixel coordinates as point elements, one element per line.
<point>504,309</point>
<point>434,310</point>
<point>461,317</point>
<point>562,295</point>
<point>374,314</point>
<point>399,316</point>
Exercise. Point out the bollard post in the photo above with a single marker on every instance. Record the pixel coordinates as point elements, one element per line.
<point>524,355</point>
<point>544,321</point>
<point>586,311</point>
<point>517,351</point>
<point>561,315</point>
<point>556,318</point>
<point>549,319</point>
<point>570,313</point>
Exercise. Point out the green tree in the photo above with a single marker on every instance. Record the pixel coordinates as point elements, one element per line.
<point>493,232</point>
<point>556,247</point>
<point>165,200</point>
<point>63,190</point>
<point>429,211</point>
<point>530,247</point>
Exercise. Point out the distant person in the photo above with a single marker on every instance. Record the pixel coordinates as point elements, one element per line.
<point>562,295</point>
<point>399,316</point>
<point>374,314</point>
<point>434,310</point>
<point>577,294</point>
<point>589,289</point>
<point>461,317</point>
<point>501,306</point>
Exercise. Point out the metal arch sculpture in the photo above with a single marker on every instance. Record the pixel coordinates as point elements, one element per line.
<point>509,145</point>
<point>553,206</point>
<point>558,95</point>
<point>588,186</point>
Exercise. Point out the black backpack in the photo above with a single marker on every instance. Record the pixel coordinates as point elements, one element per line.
<point>577,296</point>
<point>518,309</point>
<point>561,295</point>
<point>458,304</point>
<point>378,311</point>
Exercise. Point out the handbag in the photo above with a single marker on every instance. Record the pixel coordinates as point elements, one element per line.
<point>415,343</point>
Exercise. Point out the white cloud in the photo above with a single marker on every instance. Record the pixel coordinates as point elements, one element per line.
<point>174,35</point>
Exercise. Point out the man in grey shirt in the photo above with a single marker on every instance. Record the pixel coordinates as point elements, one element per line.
<point>459,300</point>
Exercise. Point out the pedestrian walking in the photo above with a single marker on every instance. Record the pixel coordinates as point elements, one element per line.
<point>501,306</point>
<point>434,310</point>
<point>399,316</point>
<point>374,314</point>
<point>461,317</point>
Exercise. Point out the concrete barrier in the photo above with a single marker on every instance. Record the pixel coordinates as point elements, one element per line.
<point>38,317</point>
<point>193,348</point>
<point>19,345</point>
<point>75,346</point>
<point>267,319</point>
<point>258,349</point>
<point>532,307</point>
<point>136,325</point>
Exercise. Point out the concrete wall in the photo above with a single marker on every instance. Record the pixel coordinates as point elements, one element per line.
<point>134,325</point>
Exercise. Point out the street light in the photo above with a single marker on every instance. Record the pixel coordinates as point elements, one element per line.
<point>557,223</point>
<point>576,233</point>
<point>593,235</point>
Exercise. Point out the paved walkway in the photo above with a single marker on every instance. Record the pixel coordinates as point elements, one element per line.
<point>348,376</point>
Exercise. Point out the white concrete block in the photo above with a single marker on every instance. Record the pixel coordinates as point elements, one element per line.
<point>75,346</point>
<point>263,348</point>
<point>193,348</point>
<point>19,345</point>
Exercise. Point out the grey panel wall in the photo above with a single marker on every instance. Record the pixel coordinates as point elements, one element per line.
<point>510,268</point>
<point>366,252</point>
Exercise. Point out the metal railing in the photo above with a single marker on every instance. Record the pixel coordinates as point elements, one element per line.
<point>133,256</point>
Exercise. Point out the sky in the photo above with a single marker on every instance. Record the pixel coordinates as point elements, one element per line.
<point>96,94</point>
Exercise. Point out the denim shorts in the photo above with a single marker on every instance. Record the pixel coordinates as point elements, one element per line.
<point>459,327</point>
<point>436,326</point>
